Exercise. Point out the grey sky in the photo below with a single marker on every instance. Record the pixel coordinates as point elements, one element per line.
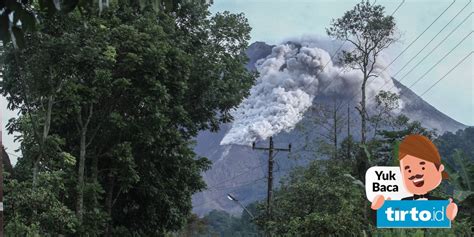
<point>273,21</point>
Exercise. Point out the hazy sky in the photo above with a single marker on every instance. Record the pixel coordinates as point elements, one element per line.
<point>273,21</point>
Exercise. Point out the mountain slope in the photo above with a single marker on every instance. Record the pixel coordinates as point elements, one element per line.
<point>242,171</point>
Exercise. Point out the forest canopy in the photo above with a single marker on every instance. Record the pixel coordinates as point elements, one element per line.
<point>109,103</point>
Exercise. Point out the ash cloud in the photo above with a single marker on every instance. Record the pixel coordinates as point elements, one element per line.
<point>289,79</point>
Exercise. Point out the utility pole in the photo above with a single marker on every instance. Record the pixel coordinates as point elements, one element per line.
<point>270,150</point>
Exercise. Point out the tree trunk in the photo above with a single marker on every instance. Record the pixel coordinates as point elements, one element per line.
<point>46,127</point>
<point>80,178</point>
<point>95,168</point>
<point>362,162</point>
<point>363,113</point>
<point>109,201</point>
<point>94,176</point>
<point>82,160</point>
<point>35,172</point>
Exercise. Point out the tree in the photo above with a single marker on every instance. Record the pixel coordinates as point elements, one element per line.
<point>382,146</point>
<point>24,15</point>
<point>461,174</point>
<point>195,226</point>
<point>386,104</point>
<point>370,32</point>
<point>315,201</point>
<point>32,79</point>
<point>221,223</point>
<point>136,87</point>
<point>457,151</point>
<point>329,117</point>
<point>463,139</point>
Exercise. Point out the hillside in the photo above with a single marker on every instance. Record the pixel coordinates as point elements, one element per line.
<point>240,170</point>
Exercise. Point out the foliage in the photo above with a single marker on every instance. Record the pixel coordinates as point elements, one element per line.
<point>195,226</point>
<point>461,174</point>
<point>305,207</point>
<point>456,151</point>
<point>386,104</point>
<point>220,223</point>
<point>315,201</point>
<point>370,32</point>
<point>382,146</point>
<point>18,17</point>
<point>114,101</point>
<point>39,212</point>
<point>368,29</point>
<point>331,118</point>
<point>463,139</point>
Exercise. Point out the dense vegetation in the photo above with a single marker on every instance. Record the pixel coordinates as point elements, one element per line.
<point>324,199</point>
<point>109,102</point>
<point>110,99</point>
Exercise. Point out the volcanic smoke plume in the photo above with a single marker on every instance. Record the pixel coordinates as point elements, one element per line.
<point>290,77</point>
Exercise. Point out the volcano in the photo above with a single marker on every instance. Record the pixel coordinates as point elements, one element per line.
<point>239,170</point>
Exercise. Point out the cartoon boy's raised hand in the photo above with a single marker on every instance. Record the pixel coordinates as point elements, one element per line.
<point>378,202</point>
<point>451,210</point>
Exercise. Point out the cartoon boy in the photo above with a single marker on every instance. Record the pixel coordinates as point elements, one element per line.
<point>421,170</point>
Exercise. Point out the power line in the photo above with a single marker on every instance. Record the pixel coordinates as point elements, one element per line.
<point>431,51</point>
<point>234,177</point>
<point>429,26</point>
<point>439,32</point>
<point>221,188</point>
<point>236,187</point>
<point>216,198</point>
<point>411,43</point>
<point>271,148</point>
<point>452,69</point>
<point>416,39</point>
<point>339,73</point>
<point>333,55</point>
<point>444,75</point>
<point>439,61</point>
<point>340,47</point>
<point>444,39</point>
<point>230,189</point>
<point>398,7</point>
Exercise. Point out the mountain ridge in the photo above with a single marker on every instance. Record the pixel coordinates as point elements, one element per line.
<point>241,171</point>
